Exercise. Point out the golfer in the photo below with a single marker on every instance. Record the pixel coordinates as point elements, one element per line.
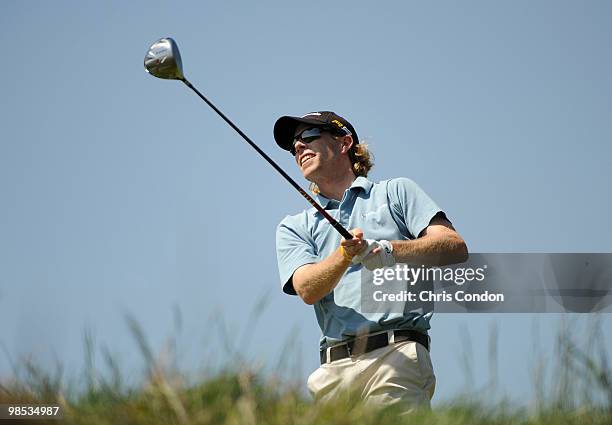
<point>384,357</point>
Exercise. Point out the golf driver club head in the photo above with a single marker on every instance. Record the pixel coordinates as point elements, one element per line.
<point>163,60</point>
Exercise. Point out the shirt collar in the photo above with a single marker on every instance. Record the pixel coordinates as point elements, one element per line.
<point>362,183</point>
<point>359,183</point>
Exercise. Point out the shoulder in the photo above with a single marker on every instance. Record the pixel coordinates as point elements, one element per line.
<point>401,183</point>
<point>397,187</point>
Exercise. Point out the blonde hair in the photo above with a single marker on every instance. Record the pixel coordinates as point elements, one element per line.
<point>362,161</point>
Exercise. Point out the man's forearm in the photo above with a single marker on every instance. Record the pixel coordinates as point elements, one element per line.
<point>313,281</point>
<point>434,250</point>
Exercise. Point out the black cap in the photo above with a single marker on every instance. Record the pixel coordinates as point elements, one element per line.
<point>284,129</point>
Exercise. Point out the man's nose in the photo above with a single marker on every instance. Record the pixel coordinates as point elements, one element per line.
<point>299,146</point>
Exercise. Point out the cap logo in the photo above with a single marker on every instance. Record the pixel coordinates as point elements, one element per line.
<point>342,127</point>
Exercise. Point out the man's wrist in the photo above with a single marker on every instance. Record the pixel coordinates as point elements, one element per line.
<point>347,257</point>
<point>402,252</point>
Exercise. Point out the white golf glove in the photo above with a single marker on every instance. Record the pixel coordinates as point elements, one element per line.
<point>383,258</point>
<point>371,244</point>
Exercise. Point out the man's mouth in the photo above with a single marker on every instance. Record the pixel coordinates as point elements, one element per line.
<point>307,157</point>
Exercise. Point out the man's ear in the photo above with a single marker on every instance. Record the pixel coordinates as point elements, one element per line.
<point>346,143</point>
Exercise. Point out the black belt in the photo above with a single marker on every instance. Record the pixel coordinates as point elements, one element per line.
<point>365,344</point>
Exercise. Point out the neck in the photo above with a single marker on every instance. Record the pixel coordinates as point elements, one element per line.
<point>334,188</point>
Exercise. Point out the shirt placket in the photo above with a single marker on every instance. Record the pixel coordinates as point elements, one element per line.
<point>345,208</point>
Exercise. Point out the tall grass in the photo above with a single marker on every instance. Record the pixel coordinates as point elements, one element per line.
<point>575,388</point>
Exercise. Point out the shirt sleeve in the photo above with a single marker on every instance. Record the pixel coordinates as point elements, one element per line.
<point>411,208</point>
<point>293,250</point>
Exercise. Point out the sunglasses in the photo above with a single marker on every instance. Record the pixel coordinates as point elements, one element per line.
<point>306,136</point>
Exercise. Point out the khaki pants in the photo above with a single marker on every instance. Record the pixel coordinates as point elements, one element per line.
<point>398,373</point>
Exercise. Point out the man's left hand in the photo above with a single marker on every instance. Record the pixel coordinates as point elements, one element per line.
<point>381,256</point>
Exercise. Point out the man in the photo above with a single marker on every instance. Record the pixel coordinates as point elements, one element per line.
<point>382,356</point>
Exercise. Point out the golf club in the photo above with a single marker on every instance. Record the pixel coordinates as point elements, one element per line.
<point>163,60</point>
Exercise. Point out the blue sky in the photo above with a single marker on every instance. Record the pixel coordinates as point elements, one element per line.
<point>122,193</point>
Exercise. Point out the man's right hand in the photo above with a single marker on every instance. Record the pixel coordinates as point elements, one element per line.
<point>315,280</point>
<point>355,246</point>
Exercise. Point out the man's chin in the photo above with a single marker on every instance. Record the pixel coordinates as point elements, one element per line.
<point>309,173</point>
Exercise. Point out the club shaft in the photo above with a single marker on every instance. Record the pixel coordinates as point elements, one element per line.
<point>345,233</point>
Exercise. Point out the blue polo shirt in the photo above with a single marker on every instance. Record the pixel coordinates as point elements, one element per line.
<point>395,209</point>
